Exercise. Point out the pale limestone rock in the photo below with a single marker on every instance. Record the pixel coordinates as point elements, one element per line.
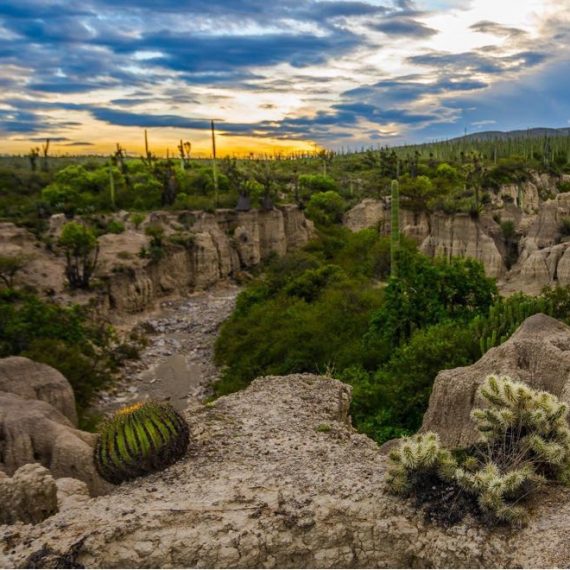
<point>272,238</point>
<point>461,236</point>
<point>263,487</point>
<point>298,229</point>
<point>246,238</point>
<point>30,496</point>
<point>35,381</point>
<point>35,432</point>
<point>368,214</point>
<point>537,354</point>
<point>71,493</point>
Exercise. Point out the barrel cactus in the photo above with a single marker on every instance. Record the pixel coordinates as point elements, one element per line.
<point>139,440</point>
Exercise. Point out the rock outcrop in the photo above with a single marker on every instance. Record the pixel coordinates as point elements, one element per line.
<point>30,496</point>
<point>35,381</point>
<point>43,430</point>
<point>537,354</point>
<point>276,477</point>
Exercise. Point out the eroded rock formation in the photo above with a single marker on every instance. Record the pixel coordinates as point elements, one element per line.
<point>534,255</point>
<point>217,246</point>
<point>43,430</point>
<point>30,496</point>
<point>276,477</point>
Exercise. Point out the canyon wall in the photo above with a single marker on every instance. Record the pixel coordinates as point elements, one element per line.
<point>532,255</point>
<point>200,249</point>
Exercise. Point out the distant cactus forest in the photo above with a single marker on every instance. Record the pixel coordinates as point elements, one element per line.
<point>366,309</point>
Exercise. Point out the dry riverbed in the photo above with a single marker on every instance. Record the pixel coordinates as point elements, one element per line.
<point>177,365</point>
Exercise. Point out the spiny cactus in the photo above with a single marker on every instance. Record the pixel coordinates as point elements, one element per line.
<point>525,441</point>
<point>506,316</point>
<point>497,492</point>
<point>420,454</point>
<point>139,440</point>
<point>395,224</point>
<point>527,423</point>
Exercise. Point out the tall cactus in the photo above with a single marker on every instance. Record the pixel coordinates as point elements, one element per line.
<point>139,440</point>
<point>395,223</point>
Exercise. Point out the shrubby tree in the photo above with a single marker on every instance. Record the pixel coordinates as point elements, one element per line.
<point>81,252</point>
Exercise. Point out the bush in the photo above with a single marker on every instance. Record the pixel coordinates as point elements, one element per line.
<point>565,227</point>
<point>81,251</point>
<point>326,207</point>
<point>10,266</point>
<point>115,227</point>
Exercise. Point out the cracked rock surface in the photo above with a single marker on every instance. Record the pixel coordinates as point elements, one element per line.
<point>264,484</point>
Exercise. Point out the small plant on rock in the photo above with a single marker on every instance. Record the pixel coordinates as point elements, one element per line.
<point>525,441</point>
<point>139,440</point>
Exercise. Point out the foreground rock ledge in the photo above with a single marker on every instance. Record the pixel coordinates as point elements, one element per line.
<point>276,477</point>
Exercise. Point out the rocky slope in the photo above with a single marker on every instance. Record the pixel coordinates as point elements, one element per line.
<point>276,477</point>
<point>217,246</point>
<point>535,256</point>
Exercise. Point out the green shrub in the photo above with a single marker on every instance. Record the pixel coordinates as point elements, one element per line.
<point>66,338</point>
<point>326,207</point>
<point>139,440</point>
<point>115,227</point>
<point>81,251</point>
<point>137,218</point>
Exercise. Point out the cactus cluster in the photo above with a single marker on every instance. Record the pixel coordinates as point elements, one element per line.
<point>525,441</point>
<point>420,454</point>
<point>139,440</point>
<point>505,317</point>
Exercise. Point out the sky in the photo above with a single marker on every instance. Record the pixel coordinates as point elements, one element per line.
<point>277,75</point>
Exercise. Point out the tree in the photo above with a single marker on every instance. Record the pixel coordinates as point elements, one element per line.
<point>326,207</point>
<point>10,265</point>
<point>81,252</point>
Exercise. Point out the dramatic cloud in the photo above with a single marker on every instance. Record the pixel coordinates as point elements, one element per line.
<point>288,73</point>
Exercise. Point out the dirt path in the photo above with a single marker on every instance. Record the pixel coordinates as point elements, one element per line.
<point>177,365</point>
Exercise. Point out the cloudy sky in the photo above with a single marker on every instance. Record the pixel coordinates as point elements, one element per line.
<point>277,74</point>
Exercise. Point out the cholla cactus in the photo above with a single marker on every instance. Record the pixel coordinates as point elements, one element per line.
<point>497,492</point>
<point>139,440</point>
<point>532,423</point>
<point>420,454</point>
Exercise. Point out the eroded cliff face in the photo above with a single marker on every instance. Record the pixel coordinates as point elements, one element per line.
<point>534,256</point>
<point>218,246</point>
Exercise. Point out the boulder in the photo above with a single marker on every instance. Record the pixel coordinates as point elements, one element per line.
<point>276,477</point>
<point>34,431</point>
<point>30,496</point>
<point>537,354</point>
<point>35,381</point>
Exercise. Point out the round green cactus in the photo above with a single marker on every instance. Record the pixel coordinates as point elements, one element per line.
<point>139,440</point>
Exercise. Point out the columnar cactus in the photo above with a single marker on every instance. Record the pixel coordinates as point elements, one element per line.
<point>395,224</point>
<point>139,440</point>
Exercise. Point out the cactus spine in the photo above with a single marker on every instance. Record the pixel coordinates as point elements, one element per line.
<point>139,440</point>
<point>395,227</point>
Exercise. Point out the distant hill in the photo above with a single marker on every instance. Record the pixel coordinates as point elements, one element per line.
<point>506,135</point>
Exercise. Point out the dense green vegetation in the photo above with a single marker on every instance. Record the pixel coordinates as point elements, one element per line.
<point>332,309</point>
<point>453,176</point>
